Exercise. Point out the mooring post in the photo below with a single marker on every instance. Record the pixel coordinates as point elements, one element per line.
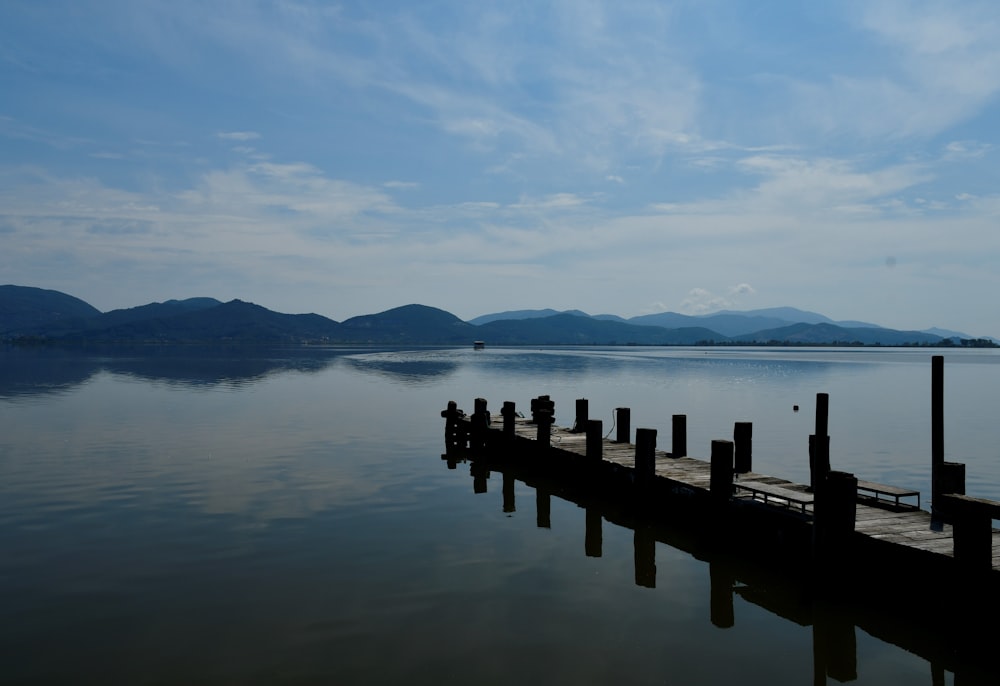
<point>937,424</point>
<point>595,441</point>
<point>645,457</point>
<point>973,541</point>
<point>721,473</point>
<point>480,424</point>
<point>509,412</point>
<point>835,509</point>
<point>455,437</point>
<point>819,443</point>
<point>543,403</point>
<point>680,436</point>
<point>743,447</point>
<point>945,477</point>
<point>543,421</point>
<point>582,415</point>
<point>972,521</point>
<point>593,542</point>
<point>623,423</point>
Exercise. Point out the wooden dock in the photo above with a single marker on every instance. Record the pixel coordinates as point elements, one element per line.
<point>876,519</point>
<point>866,536</point>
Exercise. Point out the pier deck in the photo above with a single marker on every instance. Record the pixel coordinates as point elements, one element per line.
<point>877,520</point>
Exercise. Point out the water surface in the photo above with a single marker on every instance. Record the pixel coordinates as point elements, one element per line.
<point>216,516</point>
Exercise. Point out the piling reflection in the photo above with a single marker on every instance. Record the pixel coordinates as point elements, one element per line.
<point>833,616</point>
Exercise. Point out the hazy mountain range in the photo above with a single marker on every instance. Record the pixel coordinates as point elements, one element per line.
<point>30,314</point>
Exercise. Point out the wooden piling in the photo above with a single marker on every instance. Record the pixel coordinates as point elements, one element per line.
<point>972,521</point>
<point>595,440</point>
<point>645,456</point>
<point>743,447</point>
<point>543,403</point>
<point>679,435</point>
<point>835,512</point>
<point>582,416</point>
<point>509,413</point>
<point>623,424</point>
<point>819,443</point>
<point>937,429</point>
<point>480,424</point>
<point>721,473</point>
<point>455,435</point>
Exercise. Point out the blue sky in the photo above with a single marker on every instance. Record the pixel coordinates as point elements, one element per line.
<point>615,157</point>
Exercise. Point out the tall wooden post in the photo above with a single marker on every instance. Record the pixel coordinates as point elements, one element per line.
<point>835,510</point>
<point>543,437</point>
<point>679,436</point>
<point>721,473</point>
<point>595,441</point>
<point>645,457</point>
<point>623,424</point>
<point>743,447</point>
<point>937,429</point>
<point>543,403</point>
<point>480,424</point>
<point>509,413</point>
<point>819,443</point>
<point>582,415</point>
<point>455,436</point>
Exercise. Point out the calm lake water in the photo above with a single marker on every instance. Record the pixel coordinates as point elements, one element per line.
<point>224,516</point>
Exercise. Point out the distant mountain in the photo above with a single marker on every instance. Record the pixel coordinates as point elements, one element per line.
<point>538,314</point>
<point>36,315</point>
<point>23,308</point>
<point>409,324</point>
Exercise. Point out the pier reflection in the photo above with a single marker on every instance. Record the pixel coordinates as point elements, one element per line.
<point>965,650</point>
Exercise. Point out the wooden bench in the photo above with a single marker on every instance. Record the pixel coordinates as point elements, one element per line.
<point>877,491</point>
<point>771,493</point>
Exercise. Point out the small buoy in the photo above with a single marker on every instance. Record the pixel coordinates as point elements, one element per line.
<point>795,408</point>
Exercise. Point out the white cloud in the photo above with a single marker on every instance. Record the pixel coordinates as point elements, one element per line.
<point>238,135</point>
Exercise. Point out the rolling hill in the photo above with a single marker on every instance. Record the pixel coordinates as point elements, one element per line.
<point>40,316</point>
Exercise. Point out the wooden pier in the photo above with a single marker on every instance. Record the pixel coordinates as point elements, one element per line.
<point>882,513</point>
<point>841,533</point>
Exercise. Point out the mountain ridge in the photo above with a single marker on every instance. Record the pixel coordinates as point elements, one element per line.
<point>30,314</point>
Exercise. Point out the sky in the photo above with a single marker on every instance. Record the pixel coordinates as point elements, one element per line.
<point>345,158</point>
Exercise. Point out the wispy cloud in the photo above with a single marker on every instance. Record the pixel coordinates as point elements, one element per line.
<point>238,135</point>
